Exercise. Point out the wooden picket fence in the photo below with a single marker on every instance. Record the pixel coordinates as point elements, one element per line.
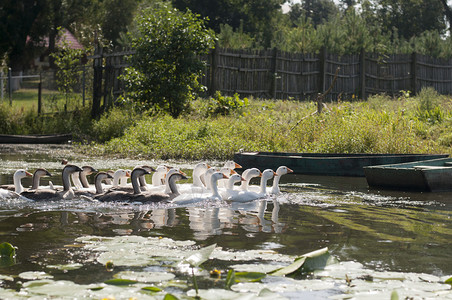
<point>282,75</point>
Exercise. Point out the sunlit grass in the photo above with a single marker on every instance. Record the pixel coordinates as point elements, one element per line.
<point>379,125</point>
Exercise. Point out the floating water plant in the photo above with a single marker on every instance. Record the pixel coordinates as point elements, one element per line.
<point>7,254</point>
<point>306,263</point>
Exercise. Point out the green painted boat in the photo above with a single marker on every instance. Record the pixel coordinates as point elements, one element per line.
<point>338,164</point>
<point>35,139</point>
<point>425,176</point>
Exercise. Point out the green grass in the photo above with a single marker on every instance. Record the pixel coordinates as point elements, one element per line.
<point>52,101</point>
<point>379,125</point>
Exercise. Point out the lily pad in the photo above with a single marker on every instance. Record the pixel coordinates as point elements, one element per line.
<point>153,289</point>
<point>119,281</point>
<point>34,275</point>
<point>200,256</point>
<point>306,263</point>
<point>145,277</point>
<point>448,281</point>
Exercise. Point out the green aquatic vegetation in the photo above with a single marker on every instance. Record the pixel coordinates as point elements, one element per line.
<point>306,263</point>
<point>327,279</point>
<point>7,254</point>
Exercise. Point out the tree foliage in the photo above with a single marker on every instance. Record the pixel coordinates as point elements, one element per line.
<point>166,67</point>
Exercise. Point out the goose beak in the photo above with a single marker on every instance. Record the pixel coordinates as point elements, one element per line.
<point>274,173</point>
<point>28,174</point>
<point>128,174</point>
<point>237,166</point>
<point>48,174</point>
<point>242,179</point>
<point>208,166</point>
<point>260,174</point>
<point>225,177</point>
<point>289,170</point>
<point>233,172</point>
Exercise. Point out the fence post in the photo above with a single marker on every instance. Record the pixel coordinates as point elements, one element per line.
<point>213,69</point>
<point>414,73</point>
<point>83,85</point>
<point>40,94</point>
<point>97,82</point>
<point>362,72</point>
<point>1,85</point>
<point>10,87</point>
<point>273,76</point>
<point>322,73</point>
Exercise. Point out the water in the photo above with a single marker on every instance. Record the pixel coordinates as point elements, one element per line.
<point>383,230</point>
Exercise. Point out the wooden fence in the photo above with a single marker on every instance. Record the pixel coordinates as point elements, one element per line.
<point>282,75</point>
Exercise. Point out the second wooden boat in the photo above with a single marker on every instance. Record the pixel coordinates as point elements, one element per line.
<point>338,164</point>
<point>430,176</point>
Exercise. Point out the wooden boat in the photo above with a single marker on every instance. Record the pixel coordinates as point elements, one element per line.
<point>323,163</point>
<point>429,175</point>
<point>35,139</point>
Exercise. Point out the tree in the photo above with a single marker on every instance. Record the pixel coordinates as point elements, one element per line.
<point>17,19</point>
<point>448,14</point>
<point>410,17</point>
<point>117,15</point>
<point>256,16</point>
<point>318,11</point>
<point>166,66</point>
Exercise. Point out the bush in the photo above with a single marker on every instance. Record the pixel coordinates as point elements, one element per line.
<point>166,66</point>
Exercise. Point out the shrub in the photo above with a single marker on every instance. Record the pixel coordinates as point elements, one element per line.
<point>166,66</point>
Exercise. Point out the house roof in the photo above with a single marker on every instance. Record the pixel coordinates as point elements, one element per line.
<point>66,35</point>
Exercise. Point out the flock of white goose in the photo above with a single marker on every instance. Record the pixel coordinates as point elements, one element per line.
<point>209,183</point>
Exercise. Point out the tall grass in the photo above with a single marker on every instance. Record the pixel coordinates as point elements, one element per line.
<point>379,125</point>
<point>407,124</point>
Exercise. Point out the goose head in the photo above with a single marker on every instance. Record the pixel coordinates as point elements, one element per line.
<point>142,179</point>
<point>101,176</point>
<point>87,170</point>
<point>232,165</point>
<point>136,174</point>
<point>118,174</point>
<point>233,179</point>
<point>158,178</point>
<point>17,179</point>
<point>41,172</point>
<point>282,170</point>
<point>168,175</point>
<point>172,179</point>
<point>67,171</point>
<point>248,174</point>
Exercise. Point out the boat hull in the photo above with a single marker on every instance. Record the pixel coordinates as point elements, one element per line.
<point>35,139</point>
<point>325,164</point>
<point>429,176</point>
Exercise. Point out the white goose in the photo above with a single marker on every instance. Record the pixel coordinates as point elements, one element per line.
<point>229,190</point>
<point>248,174</point>
<point>17,180</point>
<point>282,170</point>
<point>245,196</point>
<point>184,199</point>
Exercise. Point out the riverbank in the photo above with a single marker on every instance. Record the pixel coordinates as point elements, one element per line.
<point>215,129</point>
<point>379,125</point>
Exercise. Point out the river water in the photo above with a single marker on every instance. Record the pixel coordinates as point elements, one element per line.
<point>383,230</point>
